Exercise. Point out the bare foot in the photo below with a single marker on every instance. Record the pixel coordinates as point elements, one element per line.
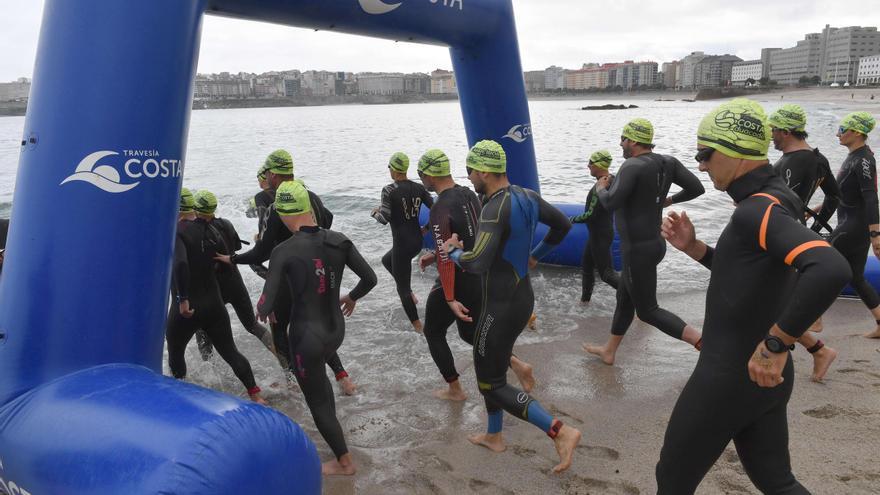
<point>343,467</point>
<point>455,394</point>
<point>873,335</point>
<point>585,302</point>
<point>492,441</point>
<point>533,323</point>
<point>601,351</point>
<point>417,326</point>
<point>348,386</point>
<point>822,360</point>
<point>566,440</point>
<point>524,373</point>
<point>259,400</point>
<point>817,326</point>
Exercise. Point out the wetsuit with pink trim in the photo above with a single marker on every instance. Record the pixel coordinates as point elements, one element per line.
<point>767,268</point>
<point>308,268</point>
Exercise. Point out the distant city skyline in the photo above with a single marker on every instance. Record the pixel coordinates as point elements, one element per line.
<point>564,33</point>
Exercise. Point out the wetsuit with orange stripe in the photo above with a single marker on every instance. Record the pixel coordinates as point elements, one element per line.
<point>501,255</point>
<point>858,209</point>
<point>636,197</point>
<point>456,211</point>
<point>767,268</point>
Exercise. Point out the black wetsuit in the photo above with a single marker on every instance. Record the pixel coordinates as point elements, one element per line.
<point>260,205</point>
<point>754,284</point>
<point>308,268</point>
<point>858,209</point>
<point>636,197</point>
<point>501,255</point>
<point>194,278</point>
<point>401,202</point>
<point>597,251</point>
<point>804,171</point>
<point>456,211</point>
<point>231,284</point>
<point>274,233</point>
<point>4,231</point>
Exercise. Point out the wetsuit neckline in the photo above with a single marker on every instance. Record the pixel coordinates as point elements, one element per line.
<point>311,229</point>
<point>750,183</point>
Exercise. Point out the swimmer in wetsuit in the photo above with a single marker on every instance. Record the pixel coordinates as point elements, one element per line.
<point>279,169</point>
<point>503,255</point>
<point>804,170</point>
<point>401,203</point>
<point>456,296</point>
<point>597,251</point>
<point>637,198</point>
<point>858,220</point>
<point>197,304</point>
<point>308,266</point>
<point>771,277</point>
<point>258,207</point>
<point>186,212</point>
<point>228,277</point>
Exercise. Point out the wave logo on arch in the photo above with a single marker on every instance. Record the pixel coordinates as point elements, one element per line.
<point>377,7</point>
<point>519,133</point>
<point>104,177</point>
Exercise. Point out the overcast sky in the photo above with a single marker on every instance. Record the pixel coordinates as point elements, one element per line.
<point>551,32</point>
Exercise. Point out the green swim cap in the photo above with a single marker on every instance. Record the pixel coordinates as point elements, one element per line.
<point>292,198</point>
<point>205,202</point>
<point>399,162</point>
<point>861,122</point>
<point>261,174</point>
<point>788,118</point>
<point>434,163</point>
<point>601,159</point>
<point>279,162</point>
<point>487,156</point>
<point>186,201</point>
<point>737,129</point>
<point>639,130</point>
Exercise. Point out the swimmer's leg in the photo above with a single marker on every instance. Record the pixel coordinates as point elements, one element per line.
<point>178,333</point>
<point>623,316</point>
<point>438,317</point>
<point>342,376</point>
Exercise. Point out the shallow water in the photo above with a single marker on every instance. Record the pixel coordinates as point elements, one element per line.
<point>342,151</point>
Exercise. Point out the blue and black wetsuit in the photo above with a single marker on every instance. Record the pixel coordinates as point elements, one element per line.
<point>401,202</point>
<point>805,171</point>
<point>456,211</point>
<point>501,255</point>
<point>274,233</point>
<point>194,279</point>
<point>232,286</point>
<point>858,209</point>
<point>636,197</point>
<point>305,273</point>
<point>259,207</point>
<point>767,268</point>
<point>597,251</point>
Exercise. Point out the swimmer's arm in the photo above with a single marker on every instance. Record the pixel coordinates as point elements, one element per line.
<point>278,266</point>
<point>621,188</point>
<point>559,225</point>
<point>180,274</point>
<point>583,217</point>
<point>427,199</point>
<point>831,189</point>
<point>868,185</point>
<point>233,234</point>
<point>493,218</point>
<point>678,230</point>
<point>690,185</point>
<point>363,270</point>
<point>323,216</point>
<point>262,249</point>
<point>441,231</point>
<point>385,208</point>
<point>822,270</point>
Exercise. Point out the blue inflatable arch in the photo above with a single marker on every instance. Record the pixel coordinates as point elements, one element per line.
<point>84,408</point>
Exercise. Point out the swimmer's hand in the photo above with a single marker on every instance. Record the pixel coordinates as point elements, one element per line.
<point>875,246</point>
<point>678,230</point>
<point>185,310</point>
<point>347,304</point>
<point>532,262</point>
<point>603,182</point>
<point>452,243</point>
<point>267,318</point>
<point>667,202</point>
<point>460,311</point>
<point>223,258</point>
<point>765,367</point>
<point>426,260</point>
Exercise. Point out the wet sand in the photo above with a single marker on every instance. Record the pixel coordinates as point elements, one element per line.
<point>407,442</point>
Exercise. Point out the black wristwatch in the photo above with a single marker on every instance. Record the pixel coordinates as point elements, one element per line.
<point>776,345</point>
<point>874,233</point>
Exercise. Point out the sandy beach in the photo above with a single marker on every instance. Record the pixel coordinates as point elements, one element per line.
<point>407,442</point>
